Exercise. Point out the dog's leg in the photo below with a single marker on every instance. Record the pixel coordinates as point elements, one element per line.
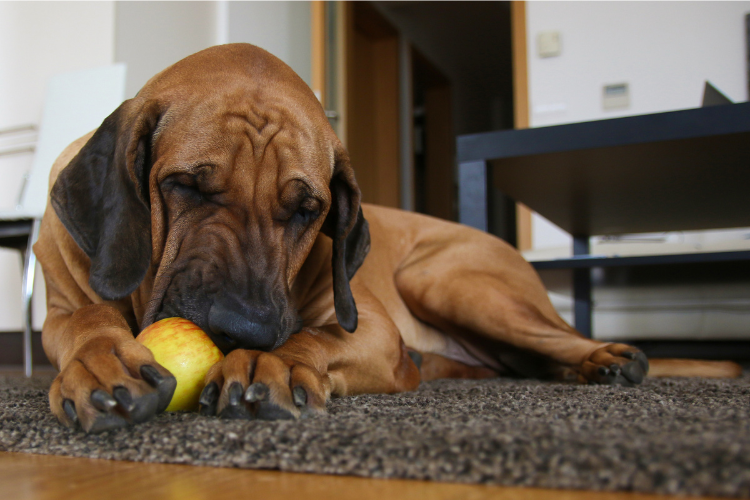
<point>320,361</point>
<point>107,380</point>
<point>480,290</point>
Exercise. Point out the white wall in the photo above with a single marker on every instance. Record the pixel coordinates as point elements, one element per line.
<point>282,28</point>
<point>664,50</point>
<point>38,40</point>
<point>151,36</point>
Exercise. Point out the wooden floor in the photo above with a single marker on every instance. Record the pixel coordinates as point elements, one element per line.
<point>39,477</point>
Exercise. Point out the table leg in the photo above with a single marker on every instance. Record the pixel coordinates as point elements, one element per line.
<point>472,194</point>
<point>582,289</point>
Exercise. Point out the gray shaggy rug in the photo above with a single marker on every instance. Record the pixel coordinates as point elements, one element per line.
<point>684,436</point>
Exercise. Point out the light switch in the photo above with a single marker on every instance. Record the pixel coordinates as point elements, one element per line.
<point>616,96</point>
<point>548,43</point>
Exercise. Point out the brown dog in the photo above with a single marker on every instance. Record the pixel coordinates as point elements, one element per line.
<point>221,194</point>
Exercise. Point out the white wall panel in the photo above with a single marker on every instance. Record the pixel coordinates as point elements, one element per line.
<point>281,28</point>
<point>38,40</point>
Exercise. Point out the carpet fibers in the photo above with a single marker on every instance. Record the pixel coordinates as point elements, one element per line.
<point>683,436</point>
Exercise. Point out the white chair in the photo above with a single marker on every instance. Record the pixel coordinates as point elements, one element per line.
<point>76,103</point>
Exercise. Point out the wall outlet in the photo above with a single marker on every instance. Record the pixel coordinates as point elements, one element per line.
<point>548,44</point>
<point>616,96</point>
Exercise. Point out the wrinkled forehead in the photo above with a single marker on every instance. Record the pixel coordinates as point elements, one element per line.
<point>246,129</point>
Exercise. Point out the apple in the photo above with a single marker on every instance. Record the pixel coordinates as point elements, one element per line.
<point>188,352</point>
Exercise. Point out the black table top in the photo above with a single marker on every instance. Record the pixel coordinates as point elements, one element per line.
<point>680,170</point>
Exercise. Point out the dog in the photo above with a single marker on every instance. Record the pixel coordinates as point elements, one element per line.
<point>221,194</point>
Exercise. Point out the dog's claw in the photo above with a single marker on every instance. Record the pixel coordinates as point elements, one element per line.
<point>642,361</point>
<point>300,396</point>
<point>235,394</point>
<point>151,375</point>
<point>102,401</point>
<point>208,400</point>
<point>123,398</point>
<point>639,357</point>
<point>70,410</point>
<point>256,392</point>
<point>166,391</point>
<point>634,372</point>
<point>140,409</point>
<point>165,386</point>
<point>617,376</point>
<point>235,409</point>
<point>416,358</point>
<point>209,394</point>
<point>146,407</point>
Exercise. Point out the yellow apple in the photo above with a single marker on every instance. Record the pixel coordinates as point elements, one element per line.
<point>184,349</point>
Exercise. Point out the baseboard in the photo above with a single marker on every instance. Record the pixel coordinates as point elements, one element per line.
<point>733,350</point>
<point>11,349</point>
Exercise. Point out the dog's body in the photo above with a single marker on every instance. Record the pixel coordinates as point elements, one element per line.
<point>221,194</point>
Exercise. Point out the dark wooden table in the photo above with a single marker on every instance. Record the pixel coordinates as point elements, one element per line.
<point>680,170</point>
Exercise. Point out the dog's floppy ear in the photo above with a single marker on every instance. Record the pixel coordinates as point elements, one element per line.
<point>102,199</point>
<point>350,233</point>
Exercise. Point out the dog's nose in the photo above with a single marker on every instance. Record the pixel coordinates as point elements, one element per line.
<point>233,330</point>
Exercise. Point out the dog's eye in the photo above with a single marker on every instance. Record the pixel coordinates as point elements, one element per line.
<point>180,181</point>
<point>307,211</point>
<point>183,185</point>
<point>304,215</point>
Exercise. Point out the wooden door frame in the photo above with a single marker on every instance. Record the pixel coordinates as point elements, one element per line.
<point>380,172</point>
<point>524,239</point>
<point>373,120</point>
<point>319,58</point>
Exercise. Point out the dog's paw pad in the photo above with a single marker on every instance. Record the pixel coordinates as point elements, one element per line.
<point>267,410</point>
<point>615,364</point>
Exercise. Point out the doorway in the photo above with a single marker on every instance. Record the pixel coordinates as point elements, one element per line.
<point>434,140</point>
<point>409,77</point>
<point>373,133</point>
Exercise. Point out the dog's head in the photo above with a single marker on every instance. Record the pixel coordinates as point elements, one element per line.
<point>218,178</point>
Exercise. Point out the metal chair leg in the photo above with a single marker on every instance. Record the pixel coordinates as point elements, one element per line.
<point>27,291</point>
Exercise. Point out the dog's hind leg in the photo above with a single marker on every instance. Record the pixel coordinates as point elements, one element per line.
<point>483,293</point>
<point>435,366</point>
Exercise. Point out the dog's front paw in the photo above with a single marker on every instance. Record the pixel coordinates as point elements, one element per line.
<point>254,384</point>
<point>615,364</point>
<point>110,384</point>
